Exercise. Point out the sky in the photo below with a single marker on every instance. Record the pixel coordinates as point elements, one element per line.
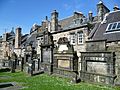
<point>24,13</point>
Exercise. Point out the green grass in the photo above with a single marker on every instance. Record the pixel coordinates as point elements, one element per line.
<point>46,82</point>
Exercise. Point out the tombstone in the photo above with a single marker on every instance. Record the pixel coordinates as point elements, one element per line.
<point>46,52</point>
<point>22,64</point>
<point>12,66</point>
<point>5,63</point>
<point>65,60</point>
<point>29,60</point>
<point>13,62</point>
<point>98,67</point>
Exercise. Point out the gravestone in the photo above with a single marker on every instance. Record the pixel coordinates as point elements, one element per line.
<point>22,63</point>
<point>65,61</point>
<point>46,51</point>
<point>30,60</point>
<point>98,67</point>
<point>13,62</point>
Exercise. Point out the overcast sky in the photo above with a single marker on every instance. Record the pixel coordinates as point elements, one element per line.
<point>25,13</point>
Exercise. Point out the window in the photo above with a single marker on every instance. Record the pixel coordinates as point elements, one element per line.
<point>118,26</point>
<point>80,37</point>
<point>113,26</point>
<point>72,38</point>
<point>109,27</point>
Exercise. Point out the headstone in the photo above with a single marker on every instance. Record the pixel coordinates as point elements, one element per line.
<point>22,64</point>
<point>12,66</point>
<point>65,60</point>
<point>13,62</point>
<point>46,49</point>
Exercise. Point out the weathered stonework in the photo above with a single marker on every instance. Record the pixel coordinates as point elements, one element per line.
<point>96,45</point>
<point>65,62</point>
<point>98,67</point>
<point>116,48</point>
<point>17,49</point>
<point>46,51</point>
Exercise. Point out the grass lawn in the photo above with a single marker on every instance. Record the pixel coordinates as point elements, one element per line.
<point>46,82</point>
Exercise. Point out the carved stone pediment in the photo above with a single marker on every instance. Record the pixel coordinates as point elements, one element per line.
<point>64,46</point>
<point>63,40</point>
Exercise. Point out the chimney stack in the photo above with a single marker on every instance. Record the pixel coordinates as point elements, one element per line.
<point>116,8</point>
<point>101,10</point>
<point>54,21</point>
<point>90,16</point>
<point>18,37</point>
<point>78,15</point>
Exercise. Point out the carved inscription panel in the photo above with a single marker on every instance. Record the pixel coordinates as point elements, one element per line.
<point>63,64</point>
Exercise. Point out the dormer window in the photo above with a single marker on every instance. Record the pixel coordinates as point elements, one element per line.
<point>109,27</point>
<point>118,26</point>
<point>113,27</point>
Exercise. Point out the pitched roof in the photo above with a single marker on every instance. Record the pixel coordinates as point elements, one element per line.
<point>101,33</point>
<point>31,40</point>
<point>66,21</point>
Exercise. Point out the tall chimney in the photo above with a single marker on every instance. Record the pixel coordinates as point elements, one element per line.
<point>101,10</point>
<point>18,37</point>
<point>90,16</point>
<point>54,21</point>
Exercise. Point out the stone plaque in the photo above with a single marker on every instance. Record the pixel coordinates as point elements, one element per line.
<point>97,67</point>
<point>63,64</point>
<point>46,55</point>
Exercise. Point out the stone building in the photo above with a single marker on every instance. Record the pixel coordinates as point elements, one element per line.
<point>103,48</point>
<point>76,28</point>
<point>12,42</point>
<point>8,44</point>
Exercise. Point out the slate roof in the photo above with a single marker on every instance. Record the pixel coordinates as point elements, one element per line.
<point>69,24</point>
<point>100,33</point>
<point>66,21</point>
<point>31,40</point>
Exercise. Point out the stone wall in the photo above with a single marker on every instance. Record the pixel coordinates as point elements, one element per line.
<point>96,46</point>
<point>116,48</point>
<point>98,67</point>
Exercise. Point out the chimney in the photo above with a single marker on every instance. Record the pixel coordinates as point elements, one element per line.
<point>78,15</point>
<point>18,37</point>
<point>54,21</point>
<point>101,10</point>
<point>90,16</point>
<point>43,25</point>
<point>116,8</point>
<point>46,18</point>
<point>5,37</point>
